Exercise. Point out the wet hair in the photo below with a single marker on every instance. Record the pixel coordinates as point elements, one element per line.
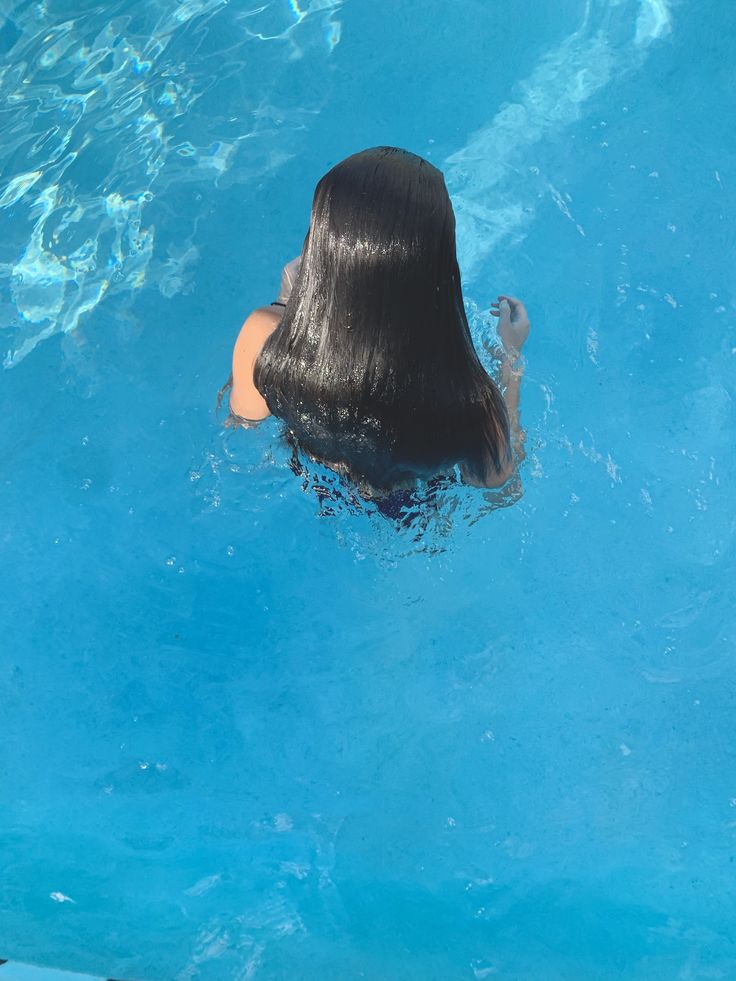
<point>372,367</point>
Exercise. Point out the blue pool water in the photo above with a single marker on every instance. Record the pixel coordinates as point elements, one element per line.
<point>248,730</point>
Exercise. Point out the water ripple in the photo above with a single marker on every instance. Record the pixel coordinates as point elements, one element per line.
<point>106,113</point>
<point>494,192</point>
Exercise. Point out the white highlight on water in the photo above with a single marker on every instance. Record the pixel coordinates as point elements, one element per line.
<point>493,187</point>
<point>59,897</point>
<point>203,885</point>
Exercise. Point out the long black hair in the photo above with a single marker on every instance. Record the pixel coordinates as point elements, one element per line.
<point>372,367</point>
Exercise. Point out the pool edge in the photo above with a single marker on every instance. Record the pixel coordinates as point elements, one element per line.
<point>32,972</point>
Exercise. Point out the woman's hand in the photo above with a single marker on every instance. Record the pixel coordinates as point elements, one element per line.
<point>513,323</point>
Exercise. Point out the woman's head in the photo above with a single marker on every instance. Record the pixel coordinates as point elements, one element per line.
<point>373,365</point>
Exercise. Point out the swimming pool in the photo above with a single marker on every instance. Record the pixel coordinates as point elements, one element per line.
<point>252,731</point>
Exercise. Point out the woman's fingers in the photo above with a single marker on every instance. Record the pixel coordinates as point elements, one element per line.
<point>516,307</point>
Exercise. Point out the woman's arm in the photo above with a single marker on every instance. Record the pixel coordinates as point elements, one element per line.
<point>245,399</point>
<point>513,330</point>
<point>512,371</point>
<point>246,402</point>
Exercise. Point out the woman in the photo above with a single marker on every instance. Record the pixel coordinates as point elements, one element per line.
<point>367,356</point>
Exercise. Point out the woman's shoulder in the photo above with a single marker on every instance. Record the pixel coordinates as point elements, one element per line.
<point>262,320</point>
<point>245,399</point>
<point>254,333</point>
